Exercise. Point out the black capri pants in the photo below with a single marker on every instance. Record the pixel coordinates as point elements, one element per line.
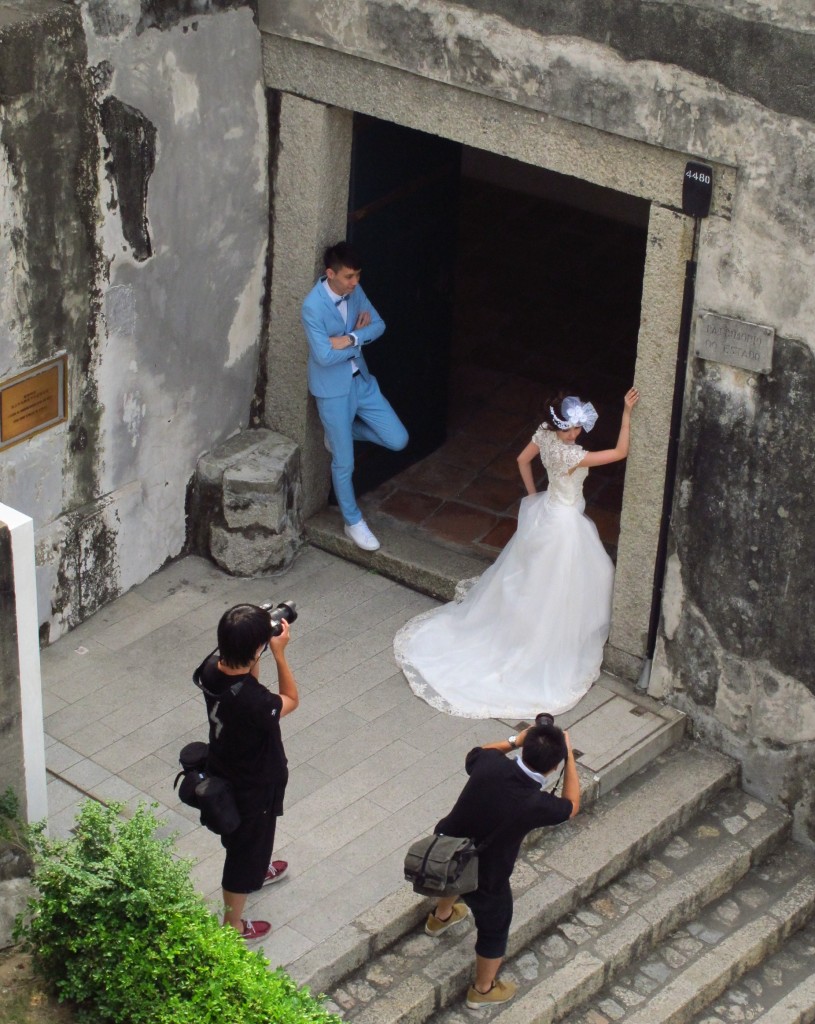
<point>248,852</point>
<point>492,911</point>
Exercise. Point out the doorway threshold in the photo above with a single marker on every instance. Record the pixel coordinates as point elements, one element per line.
<point>415,561</point>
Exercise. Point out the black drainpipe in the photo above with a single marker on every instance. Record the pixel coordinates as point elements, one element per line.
<point>696,202</point>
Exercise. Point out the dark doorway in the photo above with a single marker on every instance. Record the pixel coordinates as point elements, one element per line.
<point>544,292</point>
<point>403,217</point>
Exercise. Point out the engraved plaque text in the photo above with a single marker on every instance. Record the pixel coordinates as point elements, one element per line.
<point>736,342</point>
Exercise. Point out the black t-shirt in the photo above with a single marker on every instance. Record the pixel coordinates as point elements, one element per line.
<point>498,793</point>
<point>245,745</point>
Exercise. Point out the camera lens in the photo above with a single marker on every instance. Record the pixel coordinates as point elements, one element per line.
<point>544,718</point>
<point>287,611</point>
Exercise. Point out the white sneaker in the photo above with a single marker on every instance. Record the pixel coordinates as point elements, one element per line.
<point>361,536</point>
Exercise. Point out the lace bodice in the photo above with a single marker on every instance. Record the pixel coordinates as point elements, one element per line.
<point>558,458</point>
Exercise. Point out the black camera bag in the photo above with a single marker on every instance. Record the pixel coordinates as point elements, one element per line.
<point>193,761</point>
<point>219,812</point>
<point>209,794</point>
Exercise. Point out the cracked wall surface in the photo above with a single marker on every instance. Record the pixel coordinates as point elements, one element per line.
<point>133,224</point>
<point>610,92</point>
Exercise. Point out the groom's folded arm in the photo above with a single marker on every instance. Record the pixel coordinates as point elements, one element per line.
<point>320,343</point>
<point>373,330</point>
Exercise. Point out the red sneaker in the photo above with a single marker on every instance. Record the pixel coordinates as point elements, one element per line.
<point>254,931</point>
<point>277,869</point>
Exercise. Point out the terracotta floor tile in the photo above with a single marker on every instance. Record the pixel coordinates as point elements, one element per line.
<point>500,535</point>
<point>493,494</point>
<point>436,477</point>
<point>505,466</point>
<point>460,523</point>
<point>409,506</point>
<point>464,450</point>
<point>495,425</point>
<point>380,493</point>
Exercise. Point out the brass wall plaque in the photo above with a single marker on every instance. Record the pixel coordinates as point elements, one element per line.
<point>32,401</point>
<point>736,342</point>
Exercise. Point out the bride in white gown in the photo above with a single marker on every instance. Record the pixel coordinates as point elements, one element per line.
<point>529,635</point>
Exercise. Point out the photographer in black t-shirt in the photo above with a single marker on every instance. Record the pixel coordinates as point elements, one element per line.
<point>245,747</point>
<point>503,800</point>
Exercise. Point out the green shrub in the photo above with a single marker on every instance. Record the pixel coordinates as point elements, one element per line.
<point>119,930</point>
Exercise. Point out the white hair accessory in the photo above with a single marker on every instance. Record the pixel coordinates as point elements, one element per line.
<point>576,413</point>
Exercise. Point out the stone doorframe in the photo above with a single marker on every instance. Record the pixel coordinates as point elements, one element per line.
<point>319,91</point>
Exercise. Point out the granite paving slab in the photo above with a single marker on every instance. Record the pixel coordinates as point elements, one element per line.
<point>372,766</point>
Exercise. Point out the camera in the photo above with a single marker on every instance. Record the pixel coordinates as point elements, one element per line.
<point>278,613</point>
<point>544,718</point>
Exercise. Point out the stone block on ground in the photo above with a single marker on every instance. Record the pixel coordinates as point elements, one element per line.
<point>245,510</point>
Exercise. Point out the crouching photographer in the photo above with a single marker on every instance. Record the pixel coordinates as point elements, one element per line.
<point>246,748</point>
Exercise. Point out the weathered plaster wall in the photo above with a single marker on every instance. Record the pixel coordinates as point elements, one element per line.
<point>736,643</point>
<point>133,227</point>
<point>733,86</point>
<point>50,291</point>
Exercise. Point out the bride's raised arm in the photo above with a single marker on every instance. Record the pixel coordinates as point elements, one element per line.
<point>620,450</point>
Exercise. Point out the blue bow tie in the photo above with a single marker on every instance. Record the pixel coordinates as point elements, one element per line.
<point>340,300</point>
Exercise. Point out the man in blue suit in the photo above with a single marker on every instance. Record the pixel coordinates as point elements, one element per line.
<point>339,319</point>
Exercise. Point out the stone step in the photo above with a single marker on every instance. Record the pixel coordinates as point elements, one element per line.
<point>781,990</point>
<point>553,875</point>
<point>600,766</point>
<point>405,557</point>
<point>698,961</point>
<point>619,925</point>
<point>615,731</point>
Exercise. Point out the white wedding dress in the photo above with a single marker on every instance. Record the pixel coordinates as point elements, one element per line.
<point>529,635</point>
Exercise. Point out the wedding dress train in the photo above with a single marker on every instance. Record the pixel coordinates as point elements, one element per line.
<point>529,635</point>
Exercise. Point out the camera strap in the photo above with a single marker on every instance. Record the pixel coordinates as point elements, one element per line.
<point>234,689</point>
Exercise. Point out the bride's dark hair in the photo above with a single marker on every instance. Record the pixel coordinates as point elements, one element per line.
<point>555,402</point>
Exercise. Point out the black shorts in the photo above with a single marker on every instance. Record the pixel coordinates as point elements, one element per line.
<point>492,912</point>
<point>248,852</point>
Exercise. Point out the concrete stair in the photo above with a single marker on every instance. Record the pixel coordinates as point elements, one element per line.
<point>781,990</point>
<point>643,909</point>
<point>405,557</point>
<point>697,962</point>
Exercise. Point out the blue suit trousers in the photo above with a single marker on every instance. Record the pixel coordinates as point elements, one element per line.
<point>364,414</point>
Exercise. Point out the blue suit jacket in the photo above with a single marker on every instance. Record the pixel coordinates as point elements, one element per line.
<point>329,369</point>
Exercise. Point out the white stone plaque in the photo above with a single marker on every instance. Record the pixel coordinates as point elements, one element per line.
<point>736,342</point>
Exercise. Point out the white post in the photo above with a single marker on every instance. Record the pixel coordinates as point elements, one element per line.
<point>21,530</point>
